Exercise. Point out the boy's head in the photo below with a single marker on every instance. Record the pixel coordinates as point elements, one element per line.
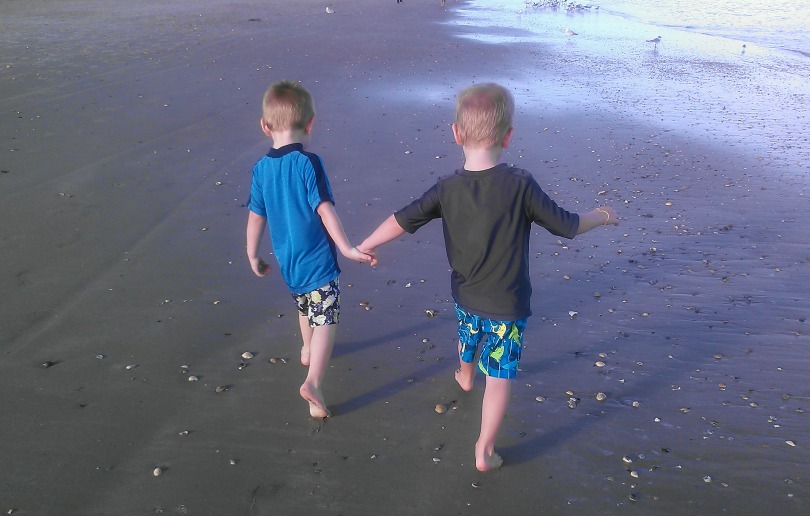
<point>484,115</point>
<point>287,106</point>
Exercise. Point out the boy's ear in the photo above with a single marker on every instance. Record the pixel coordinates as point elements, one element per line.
<point>456,135</point>
<point>507,138</point>
<point>266,129</point>
<point>308,127</point>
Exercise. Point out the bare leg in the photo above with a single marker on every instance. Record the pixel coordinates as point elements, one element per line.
<point>496,399</point>
<point>323,339</point>
<point>465,374</point>
<point>306,337</point>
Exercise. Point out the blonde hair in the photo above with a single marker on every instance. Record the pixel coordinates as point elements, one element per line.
<point>287,105</point>
<point>484,115</point>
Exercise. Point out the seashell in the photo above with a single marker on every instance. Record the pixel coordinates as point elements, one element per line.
<point>183,433</point>
<point>790,443</point>
<point>633,497</point>
<point>601,396</point>
<point>602,355</point>
<point>247,355</point>
<point>597,294</point>
<point>628,459</point>
<point>48,363</point>
<point>573,402</point>
<point>475,485</point>
<point>440,408</point>
<point>273,360</point>
<point>221,388</point>
<point>100,357</point>
<point>431,313</point>
<point>634,474</point>
<point>192,378</point>
<point>636,404</point>
<point>232,462</point>
<point>570,393</point>
<point>572,313</point>
<point>540,399</point>
<point>157,471</point>
<point>707,479</point>
<point>242,365</point>
<point>436,459</point>
<point>599,363</point>
<point>131,366</point>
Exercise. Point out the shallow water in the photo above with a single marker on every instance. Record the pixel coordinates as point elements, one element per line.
<point>712,87</point>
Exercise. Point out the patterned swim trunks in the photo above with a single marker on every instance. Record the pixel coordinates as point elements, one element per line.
<point>321,306</point>
<point>500,354</point>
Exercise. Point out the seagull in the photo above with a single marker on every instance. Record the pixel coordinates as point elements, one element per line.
<point>329,10</point>
<point>569,32</point>
<point>655,40</point>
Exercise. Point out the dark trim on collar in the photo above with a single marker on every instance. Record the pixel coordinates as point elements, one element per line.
<point>283,151</point>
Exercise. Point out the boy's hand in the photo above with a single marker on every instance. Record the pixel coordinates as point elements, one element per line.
<point>260,267</point>
<point>610,215</point>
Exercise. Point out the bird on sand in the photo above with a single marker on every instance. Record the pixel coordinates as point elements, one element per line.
<point>569,32</point>
<point>655,40</point>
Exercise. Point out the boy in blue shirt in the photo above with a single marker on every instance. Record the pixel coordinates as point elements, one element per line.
<point>487,210</point>
<point>290,193</point>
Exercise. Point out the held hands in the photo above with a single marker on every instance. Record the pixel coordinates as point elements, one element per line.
<point>362,256</point>
<point>371,253</point>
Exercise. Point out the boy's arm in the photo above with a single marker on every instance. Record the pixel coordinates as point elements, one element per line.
<point>255,229</point>
<point>333,225</point>
<point>387,231</point>
<point>596,218</point>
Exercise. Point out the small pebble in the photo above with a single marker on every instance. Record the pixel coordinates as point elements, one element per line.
<point>540,399</point>
<point>183,433</point>
<point>790,443</point>
<point>636,404</point>
<point>221,388</point>
<point>100,357</point>
<point>599,363</point>
<point>707,479</point>
<point>131,366</point>
<point>440,408</point>
<point>232,462</point>
<point>634,474</point>
<point>192,378</point>
<point>247,355</point>
<point>436,459</point>
<point>157,472</point>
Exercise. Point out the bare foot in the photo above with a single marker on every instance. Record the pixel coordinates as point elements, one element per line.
<point>317,407</point>
<point>305,356</point>
<point>488,462</point>
<point>465,381</point>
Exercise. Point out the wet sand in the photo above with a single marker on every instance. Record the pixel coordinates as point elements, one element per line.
<point>128,134</point>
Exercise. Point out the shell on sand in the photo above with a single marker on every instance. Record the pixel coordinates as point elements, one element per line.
<point>247,355</point>
<point>440,408</point>
<point>157,472</point>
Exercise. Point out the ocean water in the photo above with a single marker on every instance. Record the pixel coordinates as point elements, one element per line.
<point>737,73</point>
<point>779,24</point>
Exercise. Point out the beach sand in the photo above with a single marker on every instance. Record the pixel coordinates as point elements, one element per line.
<point>128,134</point>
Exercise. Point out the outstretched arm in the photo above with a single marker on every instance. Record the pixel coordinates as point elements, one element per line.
<point>387,231</point>
<point>596,218</point>
<point>334,227</point>
<point>255,229</point>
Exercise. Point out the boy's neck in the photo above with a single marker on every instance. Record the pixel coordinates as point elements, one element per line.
<point>282,138</point>
<point>477,159</point>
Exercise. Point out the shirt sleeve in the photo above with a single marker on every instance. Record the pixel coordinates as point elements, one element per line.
<point>420,211</point>
<point>547,214</point>
<point>256,201</point>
